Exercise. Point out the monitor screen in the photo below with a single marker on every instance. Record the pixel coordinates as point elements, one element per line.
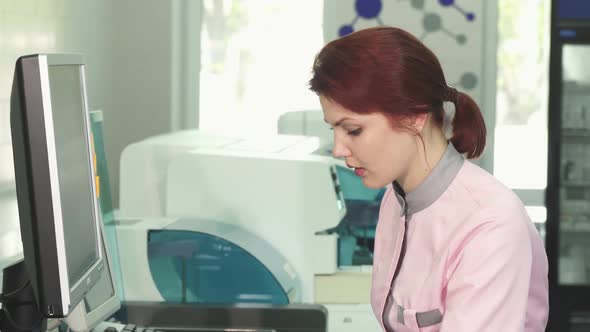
<point>77,209</point>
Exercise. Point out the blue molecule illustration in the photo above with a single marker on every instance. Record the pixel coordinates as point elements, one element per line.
<point>371,9</point>
<point>468,81</point>
<point>345,30</point>
<point>431,23</point>
<point>448,3</point>
<point>366,9</point>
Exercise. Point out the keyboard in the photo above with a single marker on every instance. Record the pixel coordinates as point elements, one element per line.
<point>117,327</point>
<point>114,327</point>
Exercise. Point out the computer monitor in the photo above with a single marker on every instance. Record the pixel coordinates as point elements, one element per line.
<point>55,181</point>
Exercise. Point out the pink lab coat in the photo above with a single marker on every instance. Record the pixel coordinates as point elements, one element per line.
<point>473,260</point>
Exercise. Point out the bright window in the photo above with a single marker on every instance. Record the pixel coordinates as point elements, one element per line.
<point>520,142</point>
<point>256,59</point>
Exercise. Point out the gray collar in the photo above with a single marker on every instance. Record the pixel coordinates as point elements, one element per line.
<point>435,184</point>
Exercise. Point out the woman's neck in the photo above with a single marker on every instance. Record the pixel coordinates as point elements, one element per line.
<point>429,154</point>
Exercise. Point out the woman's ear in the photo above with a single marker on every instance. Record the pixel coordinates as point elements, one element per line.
<point>420,121</point>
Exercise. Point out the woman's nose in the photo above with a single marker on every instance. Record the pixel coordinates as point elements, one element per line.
<point>340,150</point>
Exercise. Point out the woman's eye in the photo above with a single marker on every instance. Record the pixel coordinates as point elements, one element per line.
<point>355,132</point>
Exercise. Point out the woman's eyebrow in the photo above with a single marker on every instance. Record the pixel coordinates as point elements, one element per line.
<point>338,122</point>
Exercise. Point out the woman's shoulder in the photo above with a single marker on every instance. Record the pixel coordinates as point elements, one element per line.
<point>478,200</point>
<point>485,189</point>
<point>494,212</point>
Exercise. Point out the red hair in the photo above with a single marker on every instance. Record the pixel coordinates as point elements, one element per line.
<point>387,70</point>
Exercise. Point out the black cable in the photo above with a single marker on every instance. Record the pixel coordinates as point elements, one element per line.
<point>6,314</point>
<point>15,292</point>
<point>14,325</point>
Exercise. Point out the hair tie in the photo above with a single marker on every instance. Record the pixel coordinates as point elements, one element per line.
<point>450,94</point>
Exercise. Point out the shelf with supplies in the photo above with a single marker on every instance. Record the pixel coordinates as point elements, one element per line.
<point>574,234</point>
<point>575,88</point>
<point>574,227</point>
<point>575,132</point>
<point>575,183</point>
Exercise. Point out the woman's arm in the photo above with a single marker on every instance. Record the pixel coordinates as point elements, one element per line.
<point>488,286</point>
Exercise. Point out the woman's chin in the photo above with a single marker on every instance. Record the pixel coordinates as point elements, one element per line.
<point>372,184</point>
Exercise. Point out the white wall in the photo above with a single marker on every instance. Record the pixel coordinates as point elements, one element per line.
<point>140,86</point>
<point>36,26</point>
<point>142,58</point>
<point>154,84</point>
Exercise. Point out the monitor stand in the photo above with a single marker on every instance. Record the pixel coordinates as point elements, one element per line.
<point>19,307</point>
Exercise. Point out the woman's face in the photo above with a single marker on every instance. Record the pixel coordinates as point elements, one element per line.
<point>378,153</point>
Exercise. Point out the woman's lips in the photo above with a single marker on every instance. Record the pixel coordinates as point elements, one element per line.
<point>359,171</point>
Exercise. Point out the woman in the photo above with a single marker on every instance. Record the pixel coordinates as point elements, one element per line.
<point>454,248</point>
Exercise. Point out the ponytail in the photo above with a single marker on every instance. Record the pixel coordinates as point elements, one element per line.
<point>469,129</point>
